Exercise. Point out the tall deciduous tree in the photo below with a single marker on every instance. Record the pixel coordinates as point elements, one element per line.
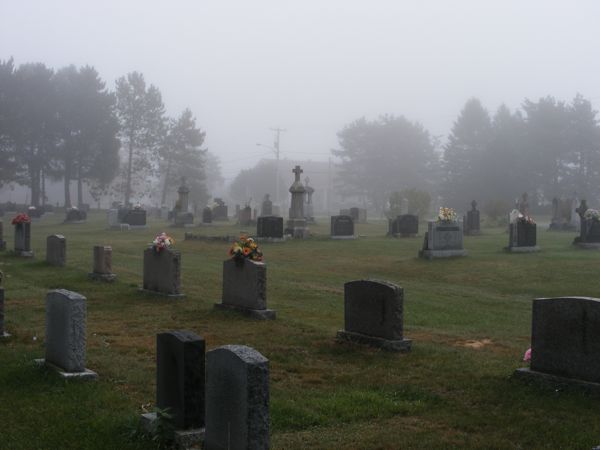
<point>383,156</point>
<point>141,115</point>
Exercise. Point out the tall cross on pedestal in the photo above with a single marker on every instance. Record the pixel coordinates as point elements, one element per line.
<point>297,171</point>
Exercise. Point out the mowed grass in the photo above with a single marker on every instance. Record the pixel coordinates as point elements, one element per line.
<point>469,319</point>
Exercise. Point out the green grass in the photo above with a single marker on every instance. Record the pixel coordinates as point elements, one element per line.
<point>469,319</point>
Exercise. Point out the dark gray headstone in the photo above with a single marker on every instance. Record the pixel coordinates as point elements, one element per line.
<point>162,272</point>
<point>133,217</point>
<point>76,215</point>
<point>65,330</point>
<point>471,220</point>
<point>267,207</point>
<point>373,314</point>
<point>207,215</point>
<point>522,234</point>
<point>237,399</point>
<point>180,377</point>
<point>342,226</point>
<point>56,250</point>
<point>565,337</point>
<point>405,225</point>
<point>184,218</point>
<point>22,237</point>
<point>269,227</point>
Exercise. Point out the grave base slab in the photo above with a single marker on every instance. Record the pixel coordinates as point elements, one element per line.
<point>107,277</point>
<point>533,249</point>
<point>184,439</point>
<point>397,345</point>
<point>87,374</point>
<point>555,381</point>
<point>433,254</point>
<point>161,294</point>
<point>261,314</point>
<point>588,245</point>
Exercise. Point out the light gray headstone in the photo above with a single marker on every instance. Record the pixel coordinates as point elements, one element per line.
<point>65,330</point>
<point>237,399</point>
<point>56,250</point>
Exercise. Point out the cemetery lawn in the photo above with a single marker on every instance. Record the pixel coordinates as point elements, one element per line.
<point>469,319</point>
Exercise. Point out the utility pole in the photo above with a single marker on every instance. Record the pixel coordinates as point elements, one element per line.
<point>276,148</point>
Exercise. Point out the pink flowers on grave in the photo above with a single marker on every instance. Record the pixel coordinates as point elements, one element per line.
<point>162,241</point>
<point>527,355</point>
<point>21,218</point>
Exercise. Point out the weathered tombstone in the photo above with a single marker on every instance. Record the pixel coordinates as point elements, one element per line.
<point>589,231</point>
<point>405,225</point>
<point>180,385</point>
<point>245,288</point>
<point>270,228</point>
<point>267,206</point>
<point>135,218</point>
<point>75,215</point>
<point>65,334</point>
<point>2,241</point>
<point>563,215</point>
<point>56,250</point>
<point>237,399</point>
<point>245,216</point>
<point>359,215</point>
<point>220,210</point>
<point>296,225</point>
<point>102,269</point>
<point>522,235</point>
<point>3,333</point>
<point>309,211</point>
<point>443,240</point>
<point>565,341</point>
<point>342,227</point>
<point>112,217</point>
<point>23,240</point>
<point>471,221</point>
<point>374,314</point>
<point>207,215</point>
<point>162,272</point>
<point>182,216</point>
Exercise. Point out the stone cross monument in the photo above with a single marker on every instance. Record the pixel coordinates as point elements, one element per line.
<point>297,222</point>
<point>184,193</point>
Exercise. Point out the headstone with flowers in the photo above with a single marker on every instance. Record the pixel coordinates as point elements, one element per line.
<point>75,215</point>
<point>522,233</point>
<point>245,280</point>
<point>444,236</point>
<point>589,233</point>
<point>22,223</point>
<point>162,268</point>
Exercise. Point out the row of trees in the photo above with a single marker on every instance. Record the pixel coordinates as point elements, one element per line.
<point>547,148</point>
<point>67,125</point>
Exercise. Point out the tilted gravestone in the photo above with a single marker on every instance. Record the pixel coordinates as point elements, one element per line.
<point>162,272</point>
<point>565,341</point>
<point>342,227</point>
<point>269,227</point>
<point>102,269</point>
<point>405,225</point>
<point>443,240</point>
<point>56,250</point>
<point>245,288</point>
<point>237,399</point>
<point>23,240</point>
<point>66,333</point>
<point>180,385</point>
<point>374,314</point>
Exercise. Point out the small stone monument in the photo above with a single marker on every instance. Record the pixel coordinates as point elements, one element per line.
<point>296,224</point>
<point>471,223</point>
<point>522,234</point>
<point>565,342</point>
<point>2,241</point>
<point>56,250</point>
<point>342,227</point>
<point>564,215</point>
<point>162,272</point>
<point>102,269</point>
<point>207,216</point>
<point>308,207</point>
<point>245,216</point>
<point>359,215</point>
<point>112,218</point>
<point>404,225</point>
<point>443,239</point>
<point>134,217</point>
<point>75,215</point>
<point>23,240</point>
<point>3,333</point>
<point>269,228</point>
<point>589,227</point>
<point>220,211</point>
<point>182,216</point>
<point>237,399</point>
<point>65,334</point>
<point>180,386</point>
<point>267,206</point>
<point>245,288</point>
<point>373,315</point>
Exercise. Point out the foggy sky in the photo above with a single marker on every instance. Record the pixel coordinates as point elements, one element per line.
<point>313,66</point>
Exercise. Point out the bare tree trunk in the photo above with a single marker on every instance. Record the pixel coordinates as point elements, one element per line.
<point>167,175</point>
<point>129,169</point>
